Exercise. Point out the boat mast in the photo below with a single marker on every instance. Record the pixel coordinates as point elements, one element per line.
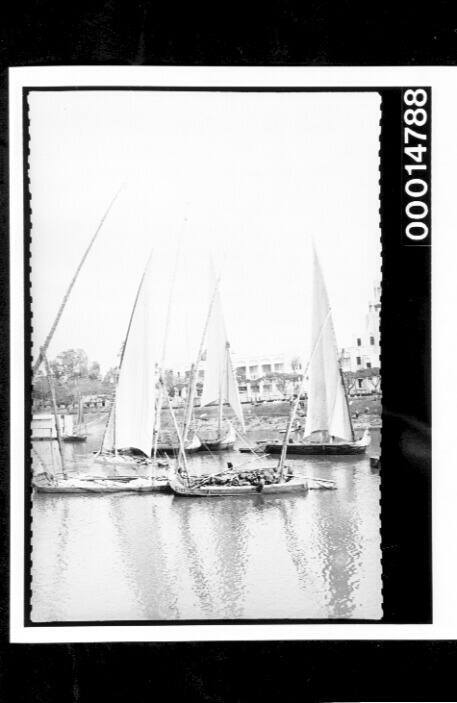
<point>343,383</point>
<point>54,407</point>
<point>296,403</point>
<point>48,339</point>
<point>122,357</point>
<point>182,451</point>
<point>193,384</point>
<point>159,401</point>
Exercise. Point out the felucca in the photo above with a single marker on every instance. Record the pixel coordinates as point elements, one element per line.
<point>127,440</point>
<point>78,432</point>
<point>242,480</point>
<point>269,480</point>
<point>328,426</point>
<point>219,384</point>
<point>135,412</point>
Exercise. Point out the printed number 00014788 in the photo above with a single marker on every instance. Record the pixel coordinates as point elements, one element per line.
<point>416,210</point>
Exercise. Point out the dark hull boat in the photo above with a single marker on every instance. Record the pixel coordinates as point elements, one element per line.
<point>316,449</point>
<point>328,428</point>
<point>74,437</point>
<point>253,450</point>
<point>319,449</point>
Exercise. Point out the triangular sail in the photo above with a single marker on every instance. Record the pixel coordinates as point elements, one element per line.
<point>108,437</point>
<point>220,382</point>
<point>131,420</point>
<point>327,403</point>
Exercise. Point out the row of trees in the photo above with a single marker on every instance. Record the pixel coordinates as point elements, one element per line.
<point>74,373</point>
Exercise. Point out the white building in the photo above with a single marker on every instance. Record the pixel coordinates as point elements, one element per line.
<point>256,376</point>
<point>365,353</point>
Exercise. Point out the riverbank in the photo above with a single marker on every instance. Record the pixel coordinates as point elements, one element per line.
<point>260,416</point>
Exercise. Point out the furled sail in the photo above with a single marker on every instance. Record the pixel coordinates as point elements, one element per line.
<point>220,382</point>
<point>327,403</point>
<point>132,417</point>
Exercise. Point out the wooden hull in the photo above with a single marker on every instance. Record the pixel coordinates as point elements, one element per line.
<point>251,450</point>
<point>74,438</point>
<point>172,449</point>
<point>216,446</point>
<point>94,486</point>
<point>314,449</point>
<point>294,486</point>
<point>123,460</point>
<point>223,443</point>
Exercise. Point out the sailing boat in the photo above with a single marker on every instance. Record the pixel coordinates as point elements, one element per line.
<point>328,427</point>
<point>128,437</point>
<point>127,440</point>
<point>78,432</point>
<point>219,385</point>
<point>166,442</point>
<point>242,480</point>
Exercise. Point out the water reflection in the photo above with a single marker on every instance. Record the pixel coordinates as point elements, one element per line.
<point>159,557</point>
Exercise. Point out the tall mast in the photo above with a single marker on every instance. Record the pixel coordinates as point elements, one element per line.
<point>54,408</point>
<point>182,451</point>
<point>296,403</point>
<point>159,402</point>
<point>343,383</point>
<point>48,339</point>
<point>122,356</point>
<point>192,385</point>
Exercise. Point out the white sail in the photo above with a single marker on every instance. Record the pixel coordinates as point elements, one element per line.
<point>131,421</point>
<point>108,437</point>
<point>220,382</point>
<point>327,403</point>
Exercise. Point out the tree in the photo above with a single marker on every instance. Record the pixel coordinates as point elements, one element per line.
<point>70,365</point>
<point>94,371</point>
<point>111,375</point>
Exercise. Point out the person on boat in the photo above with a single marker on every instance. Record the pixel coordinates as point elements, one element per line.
<point>260,484</point>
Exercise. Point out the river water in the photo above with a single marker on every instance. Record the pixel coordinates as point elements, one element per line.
<point>161,557</point>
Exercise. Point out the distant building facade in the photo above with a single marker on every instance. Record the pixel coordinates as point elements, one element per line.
<point>265,377</point>
<point>364,355</point>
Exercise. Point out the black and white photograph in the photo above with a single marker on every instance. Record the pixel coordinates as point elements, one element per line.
<point>205,282</point>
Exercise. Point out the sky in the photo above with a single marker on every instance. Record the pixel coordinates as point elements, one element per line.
<point>243,180</point>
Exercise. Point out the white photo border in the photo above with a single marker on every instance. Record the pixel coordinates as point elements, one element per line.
<point>446,605</point>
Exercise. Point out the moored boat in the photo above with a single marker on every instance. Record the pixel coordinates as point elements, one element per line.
<point>219,440</point>
<point>169,445</point>
<point>128,436</point>
<point>78,431</point>
<point>219,385</point>
<point>100,484</point>
<point>180,488</point>
<point>358,446</point>
<point>328,426</point>
<point>74,437</point>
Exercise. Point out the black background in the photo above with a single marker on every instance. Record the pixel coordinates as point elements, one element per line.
<point>313,33</point>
